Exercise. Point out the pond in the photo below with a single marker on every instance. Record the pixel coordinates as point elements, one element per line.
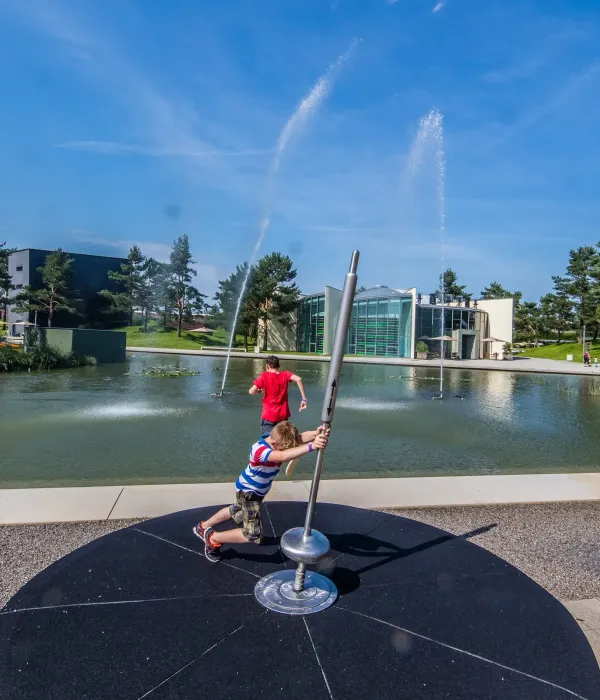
<point>113,425</point>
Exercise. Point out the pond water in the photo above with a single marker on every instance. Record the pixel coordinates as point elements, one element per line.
<point>111,425</point>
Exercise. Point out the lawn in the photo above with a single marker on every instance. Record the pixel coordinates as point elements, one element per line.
<point>560,352</point>
<point>136,338</point>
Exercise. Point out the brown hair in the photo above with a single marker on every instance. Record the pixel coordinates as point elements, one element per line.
<point>273,362</point>
<point>286,435</point>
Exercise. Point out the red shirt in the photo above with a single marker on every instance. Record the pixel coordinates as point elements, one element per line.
<point>275,395</point>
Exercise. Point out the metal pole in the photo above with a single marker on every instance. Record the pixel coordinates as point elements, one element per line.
<point>303,592</point>
<point>583,355</point>
<point>335,366</point>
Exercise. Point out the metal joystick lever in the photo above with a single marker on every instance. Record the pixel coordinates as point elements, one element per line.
<point>302,592</point>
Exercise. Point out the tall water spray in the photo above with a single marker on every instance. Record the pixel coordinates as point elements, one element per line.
<point>304,112</point>
<point>430,138</point>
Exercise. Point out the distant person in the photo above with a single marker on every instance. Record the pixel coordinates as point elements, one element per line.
<point>595,363</point>
<point>273,385</point>
<point>253,484</point>
<point>586,358</point>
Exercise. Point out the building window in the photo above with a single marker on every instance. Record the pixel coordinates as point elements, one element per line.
<point>18,286</point>
<point>19,268</point>
<point>381,327</point>
<point>311,324</point>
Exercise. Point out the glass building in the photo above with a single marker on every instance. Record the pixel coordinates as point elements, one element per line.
<point>381,323</point>
<point>465,325</point>
<point>310,329</point>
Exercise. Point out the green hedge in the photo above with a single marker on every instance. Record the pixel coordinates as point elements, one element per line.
<point>43,357</point>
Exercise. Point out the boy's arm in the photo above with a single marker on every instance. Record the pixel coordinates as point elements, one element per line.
<point>257,386</point>
<point>318,443</point>
<point>300,383</point>
<point>310,435</point>
<point>255,390</point>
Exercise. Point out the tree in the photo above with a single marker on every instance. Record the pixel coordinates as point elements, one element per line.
<point>449,285</point>
<point>185,297</point>
<point>496,291</point>
<point>55,294</point>
<point>227,298</point>
<point>361,289</point>
<point>136,280</point>
<point>527,321</point>
<point>6,285</point>
<point>271,296</point>
<point>580,284</point>
<point>163,298</point>
<point>556,313</point>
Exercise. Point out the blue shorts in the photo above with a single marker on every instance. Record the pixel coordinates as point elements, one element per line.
<point>266,427</point>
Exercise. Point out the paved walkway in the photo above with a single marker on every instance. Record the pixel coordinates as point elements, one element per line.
<point>46,505</point>
<point>519,364</point>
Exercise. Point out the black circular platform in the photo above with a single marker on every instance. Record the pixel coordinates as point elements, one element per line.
<point>141,613</point>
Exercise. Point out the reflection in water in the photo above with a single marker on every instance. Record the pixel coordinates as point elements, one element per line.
<point>110,424</point>
<point>126,410</point>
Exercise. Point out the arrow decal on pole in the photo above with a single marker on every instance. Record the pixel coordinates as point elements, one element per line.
<point>331,397</point>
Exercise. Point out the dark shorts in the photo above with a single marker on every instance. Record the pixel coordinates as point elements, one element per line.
<point>246,514</point>
<point>267,426</point>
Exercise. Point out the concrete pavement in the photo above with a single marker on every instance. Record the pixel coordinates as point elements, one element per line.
<point>519,364</point>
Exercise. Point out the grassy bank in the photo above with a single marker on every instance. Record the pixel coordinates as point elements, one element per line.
<point>560,352</point>
<point>158,338</point>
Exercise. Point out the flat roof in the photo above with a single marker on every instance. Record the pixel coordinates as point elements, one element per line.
<point>70,252</point>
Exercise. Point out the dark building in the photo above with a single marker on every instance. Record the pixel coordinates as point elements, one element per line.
<point>89,277</point>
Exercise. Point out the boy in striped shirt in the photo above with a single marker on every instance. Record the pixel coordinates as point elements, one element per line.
<point>266,456</point>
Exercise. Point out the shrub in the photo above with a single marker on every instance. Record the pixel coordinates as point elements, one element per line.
<point>39,358</point>
<point>421,346</point>
<point>12,360</point>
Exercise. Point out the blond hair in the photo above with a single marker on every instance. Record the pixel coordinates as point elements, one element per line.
<point>286,435</point>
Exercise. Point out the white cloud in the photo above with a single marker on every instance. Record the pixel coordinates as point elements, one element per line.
<point>439,6</point>
<point>208,276</point>
<point>553,103</point>
<point>117,148</point>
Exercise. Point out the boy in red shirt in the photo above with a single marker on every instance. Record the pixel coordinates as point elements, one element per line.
<point>273,385</point>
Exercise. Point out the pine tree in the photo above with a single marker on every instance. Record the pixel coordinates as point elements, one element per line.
<point>496,291</point>
<point>271,296</point>
<point>185,297</point>
<point>227,298</point>
<point>556,312</point>
<point>136,279</point>
<point>449,285</point>
<point>580,284</point>
<point>55,294</point>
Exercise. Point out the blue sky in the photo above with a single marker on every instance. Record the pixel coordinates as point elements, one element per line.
<point>129,121</point>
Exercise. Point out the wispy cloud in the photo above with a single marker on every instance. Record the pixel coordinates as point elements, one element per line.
<point>208,275</point>
<point>439,6</point>
<point>117,148</point>
<point>168,125</point>
<point>558,99</point>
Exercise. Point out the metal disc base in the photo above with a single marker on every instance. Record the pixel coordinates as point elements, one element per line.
<point>308,550</point>
<point>276,592</point>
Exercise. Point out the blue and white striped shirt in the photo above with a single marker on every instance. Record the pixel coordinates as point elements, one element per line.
<point>258,476</point>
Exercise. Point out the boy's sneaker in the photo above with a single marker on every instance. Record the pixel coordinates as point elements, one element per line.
<point>200,531</point>
<point>211,552</point>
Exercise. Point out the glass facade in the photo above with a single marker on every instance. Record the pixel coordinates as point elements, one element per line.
<point>381,327</point>
<point>429,325</point>
<point>311,324</point>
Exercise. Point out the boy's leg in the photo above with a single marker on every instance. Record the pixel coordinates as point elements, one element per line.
<point>219,517</point>
<point>251,531</point>
<point>229,537</point>
<point>266,427</point>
